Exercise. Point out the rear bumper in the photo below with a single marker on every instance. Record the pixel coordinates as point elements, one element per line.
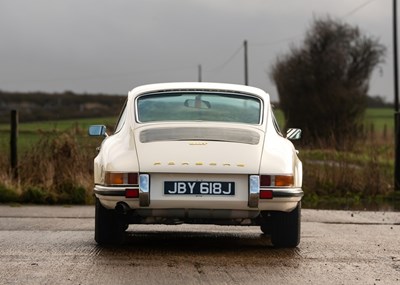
<point>283,199</point>
<point>120,191</point>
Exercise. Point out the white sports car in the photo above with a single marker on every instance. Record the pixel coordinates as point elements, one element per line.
<point>202,153</point>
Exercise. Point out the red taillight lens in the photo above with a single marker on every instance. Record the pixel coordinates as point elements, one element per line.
<point>265,180</point>
<point>133,178</point>
<point>132,193</point>
<point>266,194</point>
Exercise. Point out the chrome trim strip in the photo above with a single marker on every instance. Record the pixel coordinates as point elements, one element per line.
<point>287,192</point>
<point>144,190</point>
<point>109,191</point>
<point>254,191</point>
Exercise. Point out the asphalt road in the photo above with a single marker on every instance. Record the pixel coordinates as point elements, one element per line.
<point>54,245</point>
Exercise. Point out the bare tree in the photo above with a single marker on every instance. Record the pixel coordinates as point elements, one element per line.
<point>323,84</point>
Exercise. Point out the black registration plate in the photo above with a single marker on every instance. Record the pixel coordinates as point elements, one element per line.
<point>199,188</point>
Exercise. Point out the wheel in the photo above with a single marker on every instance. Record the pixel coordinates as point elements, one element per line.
<point>265,224</point>
<point>285,231</point>
<point>107,228</point>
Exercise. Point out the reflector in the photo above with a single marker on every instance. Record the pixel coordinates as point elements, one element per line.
<point>266,194</point>
<point>131,193</point>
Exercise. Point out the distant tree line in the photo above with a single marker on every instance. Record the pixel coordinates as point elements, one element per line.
<point>378,102</point>
<point>39,106</point>
<point>371,102</point>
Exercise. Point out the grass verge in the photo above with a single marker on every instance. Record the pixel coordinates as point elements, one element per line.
<point>57,168</point>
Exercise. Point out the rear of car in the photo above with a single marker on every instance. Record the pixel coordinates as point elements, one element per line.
<point>197,153</point>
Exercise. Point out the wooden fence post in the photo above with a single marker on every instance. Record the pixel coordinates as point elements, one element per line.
<point>13,144</point>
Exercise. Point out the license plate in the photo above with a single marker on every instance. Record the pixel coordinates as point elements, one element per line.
<point>198,188</point>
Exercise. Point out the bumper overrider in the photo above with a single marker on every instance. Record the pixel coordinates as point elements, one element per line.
<point>256,196</point>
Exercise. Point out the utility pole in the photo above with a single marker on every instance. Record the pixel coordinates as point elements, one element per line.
<point>13,144</point>
<point>396,103</point>
<point>199,72</point>
<point>246,65</point>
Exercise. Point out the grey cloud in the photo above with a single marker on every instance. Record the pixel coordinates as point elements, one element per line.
<point>112,46</point>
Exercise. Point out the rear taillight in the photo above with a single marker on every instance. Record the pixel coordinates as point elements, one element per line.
<point>271,181</point>
<point>276,181</point>
<point>130,180</point>
<point>121,178</point>
<point>265,180</point>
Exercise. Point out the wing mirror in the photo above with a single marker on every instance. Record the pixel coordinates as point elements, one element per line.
<point>97,131</point>
<point>293,134</point>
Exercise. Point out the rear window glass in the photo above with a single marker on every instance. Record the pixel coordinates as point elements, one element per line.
<point>184,106</point>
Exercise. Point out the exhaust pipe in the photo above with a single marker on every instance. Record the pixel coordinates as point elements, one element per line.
<point>122,208</point>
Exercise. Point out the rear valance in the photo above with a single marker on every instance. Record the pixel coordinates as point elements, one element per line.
<point>203,134</point>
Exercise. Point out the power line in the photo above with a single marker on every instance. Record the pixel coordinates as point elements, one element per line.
<point>226,62</point>
<point>355,10</point>
<point>274,42</point>
<point>288,39</point>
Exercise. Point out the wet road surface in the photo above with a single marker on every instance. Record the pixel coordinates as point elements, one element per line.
<point>54,245</point>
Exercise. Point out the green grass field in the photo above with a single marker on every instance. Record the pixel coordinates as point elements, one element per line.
<point>48,126</point>
<point>29,133</point>
<point>380,118</point>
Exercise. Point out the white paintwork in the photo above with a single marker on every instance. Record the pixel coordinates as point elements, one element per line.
<point>219,161</point>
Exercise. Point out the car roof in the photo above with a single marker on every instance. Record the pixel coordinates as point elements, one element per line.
<point>193,86</point>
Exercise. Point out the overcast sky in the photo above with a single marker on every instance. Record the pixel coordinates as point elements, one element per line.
<point>113,46</point>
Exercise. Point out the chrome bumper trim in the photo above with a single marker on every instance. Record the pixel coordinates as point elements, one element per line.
<point>109,191</point>
<point>287,193</point>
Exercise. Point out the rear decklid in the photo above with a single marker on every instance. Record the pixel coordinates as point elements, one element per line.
<point>199,149</point>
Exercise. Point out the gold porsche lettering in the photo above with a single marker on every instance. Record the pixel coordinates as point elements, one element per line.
<point>198,163</point>
<point>197,143</point>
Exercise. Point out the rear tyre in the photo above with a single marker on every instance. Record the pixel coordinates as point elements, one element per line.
<point>285,231</point>
<point>265,224</point>
<point>107,229</point>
